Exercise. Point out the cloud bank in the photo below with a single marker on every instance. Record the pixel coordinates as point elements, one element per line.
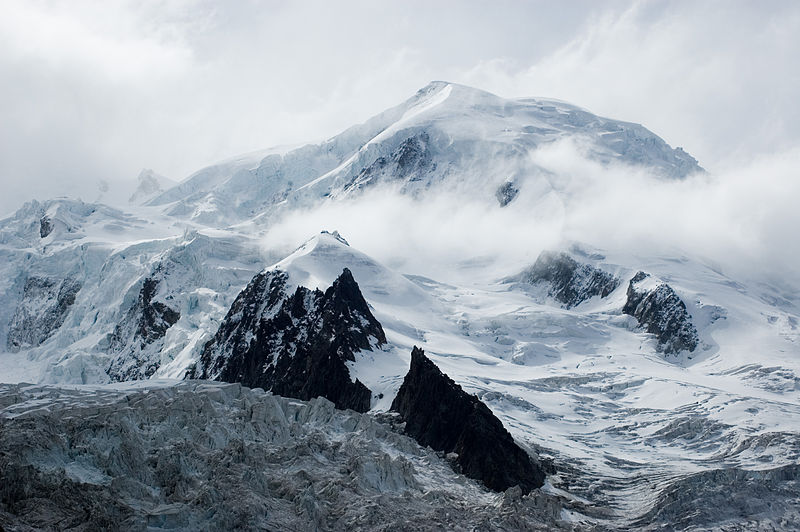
<point>741,222</point>
<point>98,90</point>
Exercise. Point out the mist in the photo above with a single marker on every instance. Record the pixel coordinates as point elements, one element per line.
<point>742,222</point>
<point>95,91</point>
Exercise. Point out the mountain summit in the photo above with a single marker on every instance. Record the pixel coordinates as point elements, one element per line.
<point>447,136</point>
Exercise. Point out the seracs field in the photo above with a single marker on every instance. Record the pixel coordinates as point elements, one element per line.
<point>533,250</point>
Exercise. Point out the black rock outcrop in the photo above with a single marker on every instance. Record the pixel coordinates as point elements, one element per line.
<point>506,193</point>
<point>294,345</point>
<point>659,310</point>
<point>136,339</point>
<point>43,309</point>
<point>569,281</point>
<point>45,226</point>
<point>439,414</point>
<point>410,161</point>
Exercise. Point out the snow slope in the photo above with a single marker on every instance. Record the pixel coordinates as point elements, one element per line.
<point>586,385</point>
<point>110,255</point>
<point>446,136</point>
<point>639,438</point>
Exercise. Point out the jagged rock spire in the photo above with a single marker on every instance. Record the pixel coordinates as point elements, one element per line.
<point>439,414</point>
<point>295,345</point>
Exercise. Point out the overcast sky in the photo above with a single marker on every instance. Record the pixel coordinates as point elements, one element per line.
<point>97,91</point>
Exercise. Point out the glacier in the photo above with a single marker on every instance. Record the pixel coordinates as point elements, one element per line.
<point>639,435</point>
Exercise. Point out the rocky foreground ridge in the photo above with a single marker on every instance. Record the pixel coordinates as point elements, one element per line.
<point>439,414</point>
<point>297,344</point>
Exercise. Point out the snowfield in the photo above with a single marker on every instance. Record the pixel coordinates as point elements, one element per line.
<point>637,435</point>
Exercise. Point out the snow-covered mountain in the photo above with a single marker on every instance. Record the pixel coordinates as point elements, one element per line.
<point>447,136</point>
<point>643,385</point>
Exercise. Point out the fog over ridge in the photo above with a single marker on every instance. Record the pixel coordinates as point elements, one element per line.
<point>741,221</point>
<point>97,91</point>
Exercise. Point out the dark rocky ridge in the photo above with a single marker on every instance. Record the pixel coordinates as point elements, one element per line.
<point>661,312</point>
<point>294,345</point>
<point>45,226</point>
<point>145,323</point>
<point>43,309</point>
<point>569,281</point>
<point>410,161</point>
<point>439,414</point>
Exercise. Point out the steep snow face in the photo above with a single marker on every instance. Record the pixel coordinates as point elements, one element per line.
<point>142,329</point>
<point>74,305</point>
<point>446,136</point>
<point>43,309</point>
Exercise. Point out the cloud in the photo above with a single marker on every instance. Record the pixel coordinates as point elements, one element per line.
<point>98,90</point>
<point>719,78</point>
<point>742,222</point>
<point>103,42</point>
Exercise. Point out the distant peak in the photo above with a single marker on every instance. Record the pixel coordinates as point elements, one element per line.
<point>146,173</point>
<point>437,86</point>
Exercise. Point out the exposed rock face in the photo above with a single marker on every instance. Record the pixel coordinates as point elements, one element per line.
<point>137,338</point>
<point>567,280</point>
<point>45,226</point>
<point>294,345</point>
<point>658,309</point>
<point>506,193</point>
<point>43,309</point>
<point>439,414</point>
<point>408,162</point>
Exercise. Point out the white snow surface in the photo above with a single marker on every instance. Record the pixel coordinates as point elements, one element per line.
<point>469,141</point>
<point>583,386</point>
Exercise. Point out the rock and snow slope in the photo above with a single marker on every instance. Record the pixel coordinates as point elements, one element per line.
<point>446,137</point>
<point>439,414</point>
<point>294,344</point>
<point>640,435</point>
